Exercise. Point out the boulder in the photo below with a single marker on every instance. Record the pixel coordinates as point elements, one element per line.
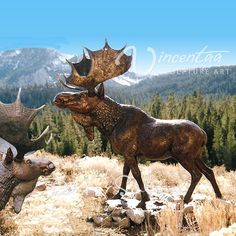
<point>138,196</point>
<point>94,192</point>
<point>98,220</point>
<point>41,187</point>
<point>124,223</point>
<point>118,212</point>
<point>113,204</point>
<point>136,215</point>
<point>107,222</point>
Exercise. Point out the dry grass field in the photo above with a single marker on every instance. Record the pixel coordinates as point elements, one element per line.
<point>63,207</point>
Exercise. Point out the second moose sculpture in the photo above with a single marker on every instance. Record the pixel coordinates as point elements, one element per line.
<point>131,132</point>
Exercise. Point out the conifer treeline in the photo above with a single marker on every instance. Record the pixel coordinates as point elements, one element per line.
<point>216,116</point>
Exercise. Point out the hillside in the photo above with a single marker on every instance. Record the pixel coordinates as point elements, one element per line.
<point>214,81</point>
<point>41,66</point>
<point>30,66</point>
<point>63,207</point>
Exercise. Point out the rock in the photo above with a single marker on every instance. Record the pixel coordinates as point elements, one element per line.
<point>94,192</point>
<point>136,215</point>
<point>98,220</point>
<point>116,218</point>
<point>107,222</point>
<point>138,196</point>
<point>124,223</point>
<point>89,219</point>
<point>41,187</point>
<point>110,192</point>
<point>188,210</point>
<point>118,212</point>
<point>112,204</point>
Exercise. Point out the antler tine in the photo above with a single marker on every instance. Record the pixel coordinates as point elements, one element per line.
<point>50,139</point>
<point>122,49</point>
<point>18,95</point>
<point>106,46</point>
<point>15,120</point>
<point>34,113</point>
<point>65,84</point>
<point>74,71</point>
<point>90,52</point>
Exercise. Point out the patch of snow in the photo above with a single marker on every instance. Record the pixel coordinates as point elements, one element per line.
<point>56,62</point>
<point>231,230</point>
<point>94,192</point>
<point>127,81</point>
<point>18,51</point>
<point>16,65</point>
<point>67,56</point>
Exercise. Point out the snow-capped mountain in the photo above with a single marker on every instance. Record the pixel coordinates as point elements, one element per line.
<point>42,65</point>
<point>128,79</point>
<point>32,66</point>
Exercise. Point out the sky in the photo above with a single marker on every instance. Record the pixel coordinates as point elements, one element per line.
<point>164,35</point>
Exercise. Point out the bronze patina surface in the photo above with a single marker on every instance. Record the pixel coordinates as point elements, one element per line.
<point>132,133</point>
<point>18,176</point>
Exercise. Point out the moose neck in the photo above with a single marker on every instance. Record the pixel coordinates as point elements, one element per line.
<point>106,115</point>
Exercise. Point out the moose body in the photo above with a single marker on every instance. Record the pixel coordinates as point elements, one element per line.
<point>153,138</point>
<point>131,132</point>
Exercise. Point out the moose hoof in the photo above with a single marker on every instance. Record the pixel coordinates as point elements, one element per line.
<point>145,197</point>
<point>187,200</point>
<point>142,205</point>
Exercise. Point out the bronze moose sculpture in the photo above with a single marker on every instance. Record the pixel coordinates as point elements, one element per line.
<point>18,177</point>
<point>132,133</point>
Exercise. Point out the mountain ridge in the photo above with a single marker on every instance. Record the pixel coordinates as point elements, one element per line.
<point>40,67</point>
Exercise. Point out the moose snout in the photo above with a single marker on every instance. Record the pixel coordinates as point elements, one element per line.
<point>51,166</point>
<point>48,169</point>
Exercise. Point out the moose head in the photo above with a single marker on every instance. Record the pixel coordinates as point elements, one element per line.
<point>18,179</point>
<point>101,65</point>
<point>28,169</point>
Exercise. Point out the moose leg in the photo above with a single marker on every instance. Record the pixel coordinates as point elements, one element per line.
<point>209,175</point>
<point>133,164</point>
<point>195,177</point>
<point>122,190</point>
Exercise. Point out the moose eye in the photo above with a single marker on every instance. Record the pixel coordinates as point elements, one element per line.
<point>28,162</point>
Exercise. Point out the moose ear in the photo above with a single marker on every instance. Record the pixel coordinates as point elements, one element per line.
<point>9,156</point>
<point>101,91</point>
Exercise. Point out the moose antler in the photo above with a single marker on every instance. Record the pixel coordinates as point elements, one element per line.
<point>15,120</point>
<point>102,65</point>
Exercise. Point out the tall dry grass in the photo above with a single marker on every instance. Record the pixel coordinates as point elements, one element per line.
<point>214,215</point>
<point>62,209</point>
<point>7,225</point>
